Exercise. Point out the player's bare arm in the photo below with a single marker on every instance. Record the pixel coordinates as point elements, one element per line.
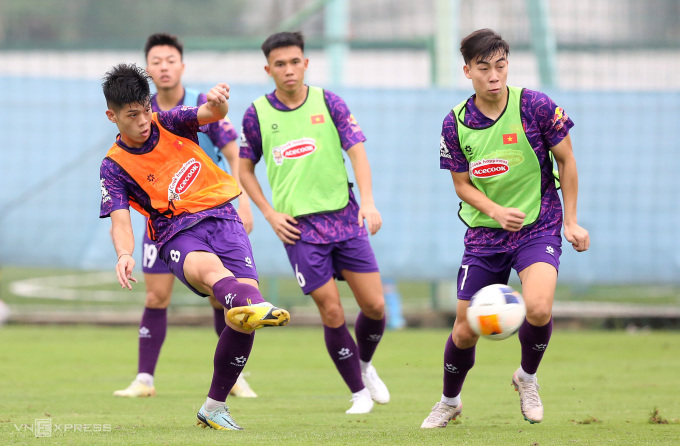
<point>230,152</point>
<point>510,219</point>
<point>124,244</point>
<point>566,165</point>
<point>217,106</point>
<point>362,173</point>
<point>283,224</point>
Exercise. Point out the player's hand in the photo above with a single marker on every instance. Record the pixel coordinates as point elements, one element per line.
<point>577,236</point>
<point>283,227</point>
<point>246,216</point>
<point>369,213</point>
<point>510,219</point>
<point>124,271</point>
<point>218,95</point>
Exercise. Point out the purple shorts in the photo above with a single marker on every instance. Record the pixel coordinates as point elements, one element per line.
<point>315,264</point>
<point>227,239</point>
<point>151,262</point>
<point>479,270</point>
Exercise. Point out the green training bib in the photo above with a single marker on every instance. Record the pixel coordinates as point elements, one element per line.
<point>303,155</point>
<point>503,165</point>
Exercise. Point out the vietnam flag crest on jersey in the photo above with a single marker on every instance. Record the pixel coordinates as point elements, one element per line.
<point>510,138</point>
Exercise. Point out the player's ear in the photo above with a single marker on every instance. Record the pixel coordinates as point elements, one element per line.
<point>268,70</point>
<point>111,115</point>
<point>466,71</point>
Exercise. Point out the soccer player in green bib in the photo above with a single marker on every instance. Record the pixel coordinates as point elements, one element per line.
<point>301,133</point>
<point>499,145</point>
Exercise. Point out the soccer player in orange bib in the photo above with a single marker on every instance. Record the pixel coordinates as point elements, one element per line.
<point>157,167</point>
<point>164,63</point>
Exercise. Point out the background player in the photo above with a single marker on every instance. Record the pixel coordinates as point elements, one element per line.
<point>164,62</point>
<point>301,132</point>
<point>514,216</point>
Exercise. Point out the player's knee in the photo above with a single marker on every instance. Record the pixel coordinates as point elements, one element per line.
<point>539,314</point>
<point>463,336</point>
<point>157,300</point>
<point>332,315</point>
<point>374,309</point>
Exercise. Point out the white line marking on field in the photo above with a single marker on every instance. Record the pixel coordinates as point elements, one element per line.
<point>67,288</point>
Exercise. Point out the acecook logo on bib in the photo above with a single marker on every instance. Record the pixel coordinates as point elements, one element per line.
<point>297,148</point>
<point>183,179</point>
<point>489,168</point>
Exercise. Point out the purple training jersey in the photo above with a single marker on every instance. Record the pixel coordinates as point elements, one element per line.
<point>328,227</point>
<point>118,188</point>
<point>545,125</point>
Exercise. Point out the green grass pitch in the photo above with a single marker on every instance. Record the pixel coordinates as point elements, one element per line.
<point>597,388</point>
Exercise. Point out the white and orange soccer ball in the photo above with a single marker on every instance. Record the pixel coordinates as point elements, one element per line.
<point>496,312</point>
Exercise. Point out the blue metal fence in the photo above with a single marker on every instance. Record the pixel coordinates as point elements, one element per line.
<point>55,134</point>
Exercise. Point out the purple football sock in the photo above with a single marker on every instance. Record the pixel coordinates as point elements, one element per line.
<point>218,320</point>
<point>344,353</point>
<point>231,355</point>
<point>368,333</point>
<point>232,293</point>
<point>457,362</point>
<point>534,341</point>
<point>152,329</point>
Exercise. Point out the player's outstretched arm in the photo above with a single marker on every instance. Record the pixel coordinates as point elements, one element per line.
<point>362,173</point>
<point>124,244</point>
<point>217,106</point>
<point>510,219</point>
<point>283,224</point>
<point>566,165</point>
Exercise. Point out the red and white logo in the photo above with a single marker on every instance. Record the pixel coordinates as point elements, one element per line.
<point>298,148</point>
<point>183,179</point>
<point>489,168</point>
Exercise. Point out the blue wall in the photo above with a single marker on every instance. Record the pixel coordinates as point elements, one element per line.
<point>55,134</point>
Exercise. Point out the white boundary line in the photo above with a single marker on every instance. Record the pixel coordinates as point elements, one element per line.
<point>66,288</point>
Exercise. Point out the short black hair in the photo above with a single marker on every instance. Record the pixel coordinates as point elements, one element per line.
<point>160,39</point>
<point>283,39</point>
<point>126,84</point>
<point>482,44</point>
